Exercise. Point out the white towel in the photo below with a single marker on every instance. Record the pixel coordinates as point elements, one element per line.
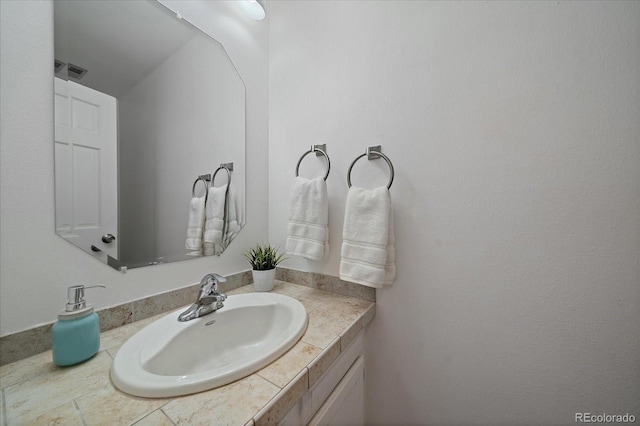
<point>368,240</point>
<point>308,234</point>
<point>233,222</point>
<point>390,266</point>
<point>214,222</point>
<point>238,202</point>
<point>195,224</point>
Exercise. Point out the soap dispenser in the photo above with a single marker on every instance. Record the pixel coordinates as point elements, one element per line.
<point>76,334</point>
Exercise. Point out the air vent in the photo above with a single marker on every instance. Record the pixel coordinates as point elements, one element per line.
<point>75,71</point>
<point>58,66</point>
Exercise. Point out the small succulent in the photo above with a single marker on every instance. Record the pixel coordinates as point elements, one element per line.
<point>263,257</point>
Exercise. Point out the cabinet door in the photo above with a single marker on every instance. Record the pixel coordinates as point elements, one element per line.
<point>345,405</point>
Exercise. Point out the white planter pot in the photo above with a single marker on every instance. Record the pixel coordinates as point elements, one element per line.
<point>263,280</point>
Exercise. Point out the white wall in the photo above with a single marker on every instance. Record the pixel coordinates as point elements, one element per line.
<point>513,128</point>
<point>514,131</point>
<point>36,265</point>
<point>192,136</point>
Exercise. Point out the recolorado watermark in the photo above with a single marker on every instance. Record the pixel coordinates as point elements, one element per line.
<point>604,418</point>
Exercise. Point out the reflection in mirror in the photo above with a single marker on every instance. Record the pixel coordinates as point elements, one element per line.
<point>145,103</point>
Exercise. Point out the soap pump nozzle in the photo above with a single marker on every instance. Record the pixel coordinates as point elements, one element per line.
<point>75,297</point>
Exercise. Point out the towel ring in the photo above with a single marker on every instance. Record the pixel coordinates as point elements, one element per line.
<point>317,149</point>
<point>222,166</point>
<point>373,153</point>
<point>228,167</point>
<point>203,179</point>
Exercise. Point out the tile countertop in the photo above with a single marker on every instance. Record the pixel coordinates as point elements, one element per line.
<point>35,391</point>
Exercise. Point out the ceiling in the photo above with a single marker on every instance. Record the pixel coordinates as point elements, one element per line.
<point>90,34</point>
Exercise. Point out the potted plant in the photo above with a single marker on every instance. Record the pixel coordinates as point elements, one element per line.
<point>263,259</point>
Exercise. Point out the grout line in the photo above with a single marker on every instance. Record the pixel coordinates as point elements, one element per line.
<point>4,407</point>
<point>280,396</point>
<point>257,373</point>
<point>79,412</point>
<point>166,415</point>
<point>157,410</point>
<point>169,401</point>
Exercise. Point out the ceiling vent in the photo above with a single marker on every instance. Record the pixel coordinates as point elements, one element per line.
<point>75,71</point>
<point>58,66</point>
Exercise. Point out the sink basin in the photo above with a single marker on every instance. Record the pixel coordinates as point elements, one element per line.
<point>171,358</point>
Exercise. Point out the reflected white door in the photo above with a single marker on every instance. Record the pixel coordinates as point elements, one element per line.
<point>86,167</point>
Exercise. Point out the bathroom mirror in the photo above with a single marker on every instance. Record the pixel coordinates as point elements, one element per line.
<point>145,103</point>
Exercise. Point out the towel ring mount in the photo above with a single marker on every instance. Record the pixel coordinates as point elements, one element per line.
<point>372,153</point>
<point>319,150</point>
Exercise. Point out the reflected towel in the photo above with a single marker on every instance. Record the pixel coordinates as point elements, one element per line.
<point>214,223</point>
<point>368,240</point>
<point>308,234</point>
<point>195,224</point>
<point>233,221</point>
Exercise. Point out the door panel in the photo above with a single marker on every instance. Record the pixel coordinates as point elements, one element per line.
<point>85,166</point>
<point>86,184</point>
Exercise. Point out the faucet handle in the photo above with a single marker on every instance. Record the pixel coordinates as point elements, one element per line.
<point>210,279</point>
<point>219,278</point>
<point>209,284</point>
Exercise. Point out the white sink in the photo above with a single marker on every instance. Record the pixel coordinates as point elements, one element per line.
<point>171,358</point>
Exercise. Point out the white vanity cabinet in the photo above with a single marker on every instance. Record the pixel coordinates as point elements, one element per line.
<point>338,396</point>
<point>345,405</point>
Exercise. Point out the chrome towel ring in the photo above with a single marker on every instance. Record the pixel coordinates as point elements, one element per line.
<point>228,167</point>
<point>372,153</point>
<point>319,150</point>
<point>205,179</point>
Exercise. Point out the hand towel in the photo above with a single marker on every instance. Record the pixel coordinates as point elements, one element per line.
<point>233,225</point>
<point>238,201</point>
<point>195,224</point>
<point>235,220</point>
<point>308,234</point>
<point>390,266</point>
<point>214,222</point>
<point>368,240</point>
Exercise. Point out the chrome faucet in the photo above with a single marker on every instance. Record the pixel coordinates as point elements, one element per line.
<point>209,300</point>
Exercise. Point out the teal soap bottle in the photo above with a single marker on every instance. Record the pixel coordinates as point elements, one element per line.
<point>76,334</point>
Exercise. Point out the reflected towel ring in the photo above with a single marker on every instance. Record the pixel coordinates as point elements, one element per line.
<point>203,179</point>
<point>317,149</point>
<point>228,169</point>
<point>373,153</point>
